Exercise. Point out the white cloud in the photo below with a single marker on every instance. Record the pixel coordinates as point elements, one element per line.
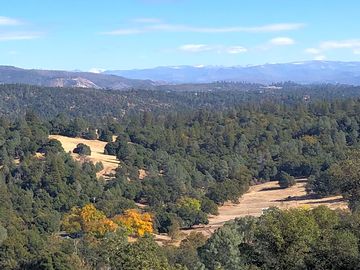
<point>350,44</point>
<point>275,42</point>
<point>312,51</point>
<point>320,57</point>
<point>195,48</point>
<point>282,41</point>
<point>11,35</point>
<point>255,29</point>
<point>340,44</point>
<point>164,27</point>
<point>8,21</point>
<point>317,54</point>
<point>236,50</point>
<point>97,70</point>
<point>18,36</point>
<point>275,27</point>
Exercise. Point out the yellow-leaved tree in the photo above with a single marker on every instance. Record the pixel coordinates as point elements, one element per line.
<point>135,222</point>
<point>88,219</point>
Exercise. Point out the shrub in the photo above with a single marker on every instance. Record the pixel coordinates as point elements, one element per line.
<point>286,180</point>
<point>82,149</point>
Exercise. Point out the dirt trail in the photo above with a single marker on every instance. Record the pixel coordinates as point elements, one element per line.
<point>97,152</point>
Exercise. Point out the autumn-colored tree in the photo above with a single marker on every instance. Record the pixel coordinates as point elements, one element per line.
<point>136,222</point>
<point>190,203</point>
<point>189,210</point>
<point>310,139</point>
<point>71,222</point>
<point>88,220</point>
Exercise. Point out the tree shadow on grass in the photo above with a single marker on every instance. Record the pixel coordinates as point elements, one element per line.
<point>270,189</point>
<point>337,200</point>
<point>299,198</point>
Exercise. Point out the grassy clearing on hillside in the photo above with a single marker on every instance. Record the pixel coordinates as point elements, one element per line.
<point>97,152</point>
<point>263,196</point>
<point>258,199</point>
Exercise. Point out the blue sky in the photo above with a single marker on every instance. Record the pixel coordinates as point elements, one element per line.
<point>126,34</point>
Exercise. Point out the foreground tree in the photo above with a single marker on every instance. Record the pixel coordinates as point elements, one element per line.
<point>342,177</point>
<point>291,239</point>
<point>143,254</point>
<point>222,250</point>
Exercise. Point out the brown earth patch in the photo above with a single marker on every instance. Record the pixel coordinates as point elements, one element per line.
<point>142,174</point>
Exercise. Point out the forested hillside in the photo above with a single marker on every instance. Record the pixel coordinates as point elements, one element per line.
<point>47,102</point>
<point>56,214</point>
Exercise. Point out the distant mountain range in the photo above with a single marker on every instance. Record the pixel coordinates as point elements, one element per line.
<point>299,72</point>
<point>55,78</point>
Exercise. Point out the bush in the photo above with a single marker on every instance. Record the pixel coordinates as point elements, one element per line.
<point>106,136</point>
<point>286,180</point>
<point>209,207</point>
<point>52,146</point>
<point>82,149</point>
<point>111,148</point>
<point>99,166</point>
<point>90,134</point>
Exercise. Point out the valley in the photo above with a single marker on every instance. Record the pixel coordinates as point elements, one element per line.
<point>179,135</point>
<point>253,203</point>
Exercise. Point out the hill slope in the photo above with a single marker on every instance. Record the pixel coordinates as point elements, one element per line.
<point>55,78</point>
<point>97,147</point>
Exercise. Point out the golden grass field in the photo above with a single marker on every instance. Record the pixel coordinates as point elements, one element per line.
<point>262,196</point>
<point>97,152</point>
<point>259,198</point>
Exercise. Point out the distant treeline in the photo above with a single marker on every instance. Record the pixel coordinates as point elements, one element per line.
<point>48,102</point>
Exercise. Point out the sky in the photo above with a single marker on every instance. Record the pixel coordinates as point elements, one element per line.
<point>92,35</point>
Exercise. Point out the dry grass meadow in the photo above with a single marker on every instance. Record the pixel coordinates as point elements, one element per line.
<point>263,196</point>
<point>97,153</point>
<point>259,198</point>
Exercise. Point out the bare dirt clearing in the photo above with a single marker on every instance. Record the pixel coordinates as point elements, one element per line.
<point>97,152</point>
<point>259,198</point>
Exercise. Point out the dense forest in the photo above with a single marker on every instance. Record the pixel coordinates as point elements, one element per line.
<point>199,150</point>
<point>96,104</point>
